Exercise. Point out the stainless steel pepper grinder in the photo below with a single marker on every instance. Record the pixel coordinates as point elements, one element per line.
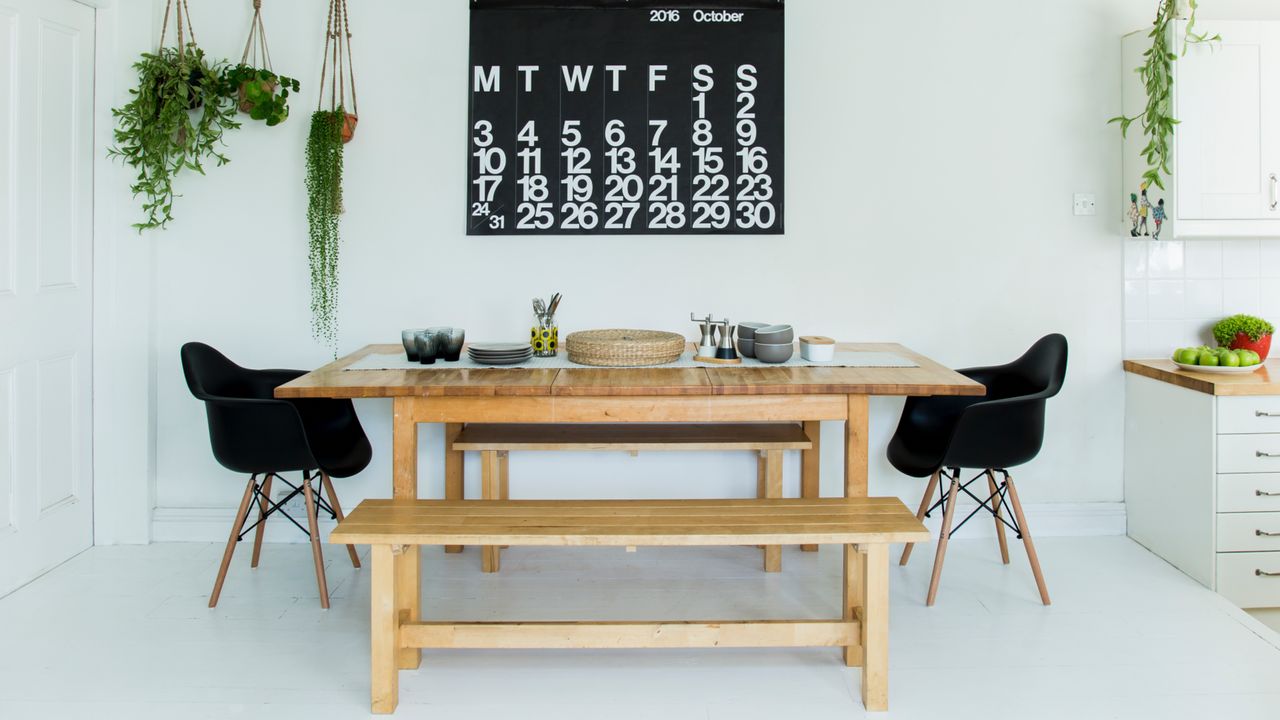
<point>725,350</point>
<point>707,347</point>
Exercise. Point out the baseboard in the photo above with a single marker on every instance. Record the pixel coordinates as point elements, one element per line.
<point>1046,520</point>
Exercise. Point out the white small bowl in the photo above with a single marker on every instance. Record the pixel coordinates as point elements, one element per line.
<point>817,348</point>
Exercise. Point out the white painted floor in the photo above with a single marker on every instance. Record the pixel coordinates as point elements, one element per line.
<point>123,632</point>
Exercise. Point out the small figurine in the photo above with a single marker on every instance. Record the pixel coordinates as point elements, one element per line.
<point>1158,215</point>
<point>1144,208</point>
<point>1133,214</point>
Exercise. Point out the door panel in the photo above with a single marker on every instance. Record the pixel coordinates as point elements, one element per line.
<point>46,313</point>
<point>1221,144</point>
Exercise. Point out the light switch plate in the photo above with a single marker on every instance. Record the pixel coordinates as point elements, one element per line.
<point>1085,204</point>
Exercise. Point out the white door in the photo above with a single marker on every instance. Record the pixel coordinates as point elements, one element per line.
<point>1227,139</point>
<point>46,312</point>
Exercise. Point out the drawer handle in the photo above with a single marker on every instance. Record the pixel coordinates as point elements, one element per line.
<point>1264,413</point>
<point>1264,573</point>
<point>1264,493</point>
<point>1264,533</point>
<point>1259,453</point>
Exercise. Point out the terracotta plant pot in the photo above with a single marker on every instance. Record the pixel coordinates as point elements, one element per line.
<point>1262,345</point>
<point>349,127</point>
<point>246,105</point>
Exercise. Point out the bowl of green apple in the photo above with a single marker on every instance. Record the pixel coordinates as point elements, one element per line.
<point>1216,360</point>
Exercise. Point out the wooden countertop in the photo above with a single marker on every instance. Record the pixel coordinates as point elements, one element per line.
<point>1261,382</point>
<point>930,378</point>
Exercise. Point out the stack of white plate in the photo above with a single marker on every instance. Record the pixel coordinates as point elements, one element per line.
<point>500,353</point>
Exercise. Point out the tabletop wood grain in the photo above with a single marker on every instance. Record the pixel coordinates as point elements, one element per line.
<point>930,378</point>
<point>1265,381</point>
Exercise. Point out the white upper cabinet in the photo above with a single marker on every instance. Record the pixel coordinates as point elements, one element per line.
<point>1226,147</point>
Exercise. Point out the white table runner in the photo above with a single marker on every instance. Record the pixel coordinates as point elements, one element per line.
<point>398,361</point>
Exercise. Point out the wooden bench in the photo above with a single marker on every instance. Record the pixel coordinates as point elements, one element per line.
<point>495,443</point>
<point>865,526</point>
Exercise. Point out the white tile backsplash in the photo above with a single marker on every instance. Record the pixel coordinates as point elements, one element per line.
<point>1174,291</point>
<point>1203,260</point>
<point>1240,258</point>
<point>1203,298</point>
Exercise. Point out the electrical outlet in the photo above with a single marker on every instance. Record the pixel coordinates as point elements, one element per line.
<point>296,507</point>
<point>1086,204</point>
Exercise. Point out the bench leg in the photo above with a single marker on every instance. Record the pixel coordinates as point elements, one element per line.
<point>852,599</point>
<point>773,489</point>
<point>404,464</point>
<point>490,486</point>
<point>384,631</point>
<point>809,474</point>
<point>454,478</point>
<point>875,626</point>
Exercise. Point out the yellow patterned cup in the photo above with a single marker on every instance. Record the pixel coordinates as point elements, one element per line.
<point>545,340</point>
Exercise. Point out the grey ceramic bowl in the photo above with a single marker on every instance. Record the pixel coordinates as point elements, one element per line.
<point>775,335</point>
<point>747,347</point>
<point>747,330</point>
<point>774,352</point>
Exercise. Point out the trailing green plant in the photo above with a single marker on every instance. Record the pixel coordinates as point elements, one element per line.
<point>262,94</point>
<point>324,205</point>
<point>176,119</point>
<point>1228,328</point>
<point>1156,71</point>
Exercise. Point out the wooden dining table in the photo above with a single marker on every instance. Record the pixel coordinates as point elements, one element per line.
<point>455,397</point>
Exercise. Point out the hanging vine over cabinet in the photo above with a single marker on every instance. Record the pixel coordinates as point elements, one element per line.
<point>1156,118</point>
<point>330,130</point>
<point>260,92</point>
<point>176,119</point>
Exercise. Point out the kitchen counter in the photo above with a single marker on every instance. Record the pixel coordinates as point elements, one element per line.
<point>1261,382</point>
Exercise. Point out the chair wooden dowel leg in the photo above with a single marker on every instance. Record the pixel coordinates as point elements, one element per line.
<point>924,507</point>
<point>773,489</point>
<point>316,553</point>
<point>1004,544</point>
<point>943,536</point>
<point>337,511</point>
<point>1026,540</point>
<point>262,518</point>
<point>241,514</point>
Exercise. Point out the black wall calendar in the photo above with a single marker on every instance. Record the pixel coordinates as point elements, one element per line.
<point>611,117</point>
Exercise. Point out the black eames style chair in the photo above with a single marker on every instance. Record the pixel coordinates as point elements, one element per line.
<point>937,436</point>
<point>254,433</point>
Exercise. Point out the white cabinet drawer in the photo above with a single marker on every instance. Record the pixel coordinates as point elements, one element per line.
<point>1247,532</point>
<point>1249,414</point>
<point>1240,581</point>
<point>1249,453</point>
<point>1251,492</point>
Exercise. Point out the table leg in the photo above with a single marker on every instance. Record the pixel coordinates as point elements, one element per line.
<point>855,447</point>
<point>384,677</point>
<point>404,486</point>
<point>809,464</point>
<point>453,472</point>
<point>490,555</point>
<point>773,489</point>
<point>875,626</point>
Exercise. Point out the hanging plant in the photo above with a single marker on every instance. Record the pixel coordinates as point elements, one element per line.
<point>330,130</point>
<point>261,93</point>
<point>324,205</point>
<point>176,119</point>
<point>1157,77</point>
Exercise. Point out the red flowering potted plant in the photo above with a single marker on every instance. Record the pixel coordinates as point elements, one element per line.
<point>1244,332</point>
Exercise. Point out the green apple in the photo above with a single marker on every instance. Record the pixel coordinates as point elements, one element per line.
<point>1254,358</point>
<point>1231,359</point>
<point>1186,356</point>
<point>1208,358</point>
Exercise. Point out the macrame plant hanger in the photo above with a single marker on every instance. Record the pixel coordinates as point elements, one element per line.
<point>337,69</point>
<point>256,55</point>
<point>182,23</point>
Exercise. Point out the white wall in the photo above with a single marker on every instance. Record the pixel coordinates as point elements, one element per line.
<point>931,158</point>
